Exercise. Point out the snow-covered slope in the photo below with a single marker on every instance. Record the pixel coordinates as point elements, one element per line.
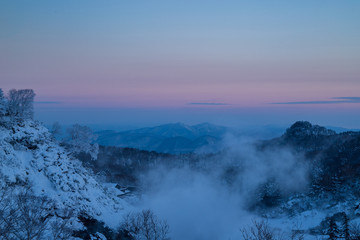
<point>29,154</point>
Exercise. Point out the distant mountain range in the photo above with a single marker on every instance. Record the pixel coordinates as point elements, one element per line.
<point>176,138</point>
<point>168,138</point>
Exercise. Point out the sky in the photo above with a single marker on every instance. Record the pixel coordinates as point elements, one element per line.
<point>139,63</point>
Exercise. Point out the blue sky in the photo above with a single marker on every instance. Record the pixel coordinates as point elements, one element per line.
<point>152,60</point>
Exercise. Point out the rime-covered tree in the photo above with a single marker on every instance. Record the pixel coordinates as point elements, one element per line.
<point>3,104</point>
<point>56,129</point>
<point>145,225</point>
<point>261,230</point>
<point>21,103</point>
<point>82,140</point>
<point>26,216</point>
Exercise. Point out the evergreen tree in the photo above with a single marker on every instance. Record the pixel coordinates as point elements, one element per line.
<point>333,229</point>
<point>346,227</point>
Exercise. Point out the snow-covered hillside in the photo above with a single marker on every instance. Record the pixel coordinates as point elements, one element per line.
<point>30,156</point>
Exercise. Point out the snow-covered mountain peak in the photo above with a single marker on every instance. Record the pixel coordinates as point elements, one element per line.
<point>304,128</point>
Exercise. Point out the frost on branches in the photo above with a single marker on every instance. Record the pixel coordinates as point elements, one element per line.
<point>81,140</point>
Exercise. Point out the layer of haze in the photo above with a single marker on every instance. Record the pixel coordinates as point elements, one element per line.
<point>201,204</point>
<point>148,62</point>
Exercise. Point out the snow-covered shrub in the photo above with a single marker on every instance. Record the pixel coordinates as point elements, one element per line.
<point>26,216</point>
<point>261,230</point>
<point>145,225</point>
